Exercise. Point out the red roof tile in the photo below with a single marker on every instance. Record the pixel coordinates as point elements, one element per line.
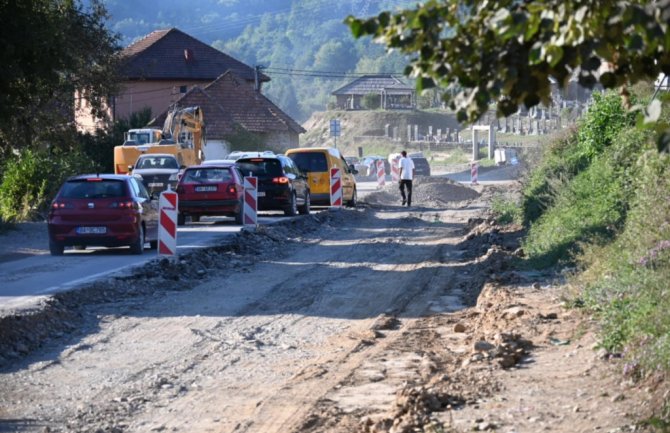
<point>171,54</point>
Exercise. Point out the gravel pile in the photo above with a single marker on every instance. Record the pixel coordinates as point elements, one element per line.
<point>426,192</point>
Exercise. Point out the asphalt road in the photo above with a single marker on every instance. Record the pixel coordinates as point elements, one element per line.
<point>25,281</point>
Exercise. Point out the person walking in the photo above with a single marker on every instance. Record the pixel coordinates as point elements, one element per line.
<point>406,166</point>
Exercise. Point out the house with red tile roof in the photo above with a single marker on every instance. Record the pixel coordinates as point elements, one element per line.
<point>164,66</point>
<point>237,117</point>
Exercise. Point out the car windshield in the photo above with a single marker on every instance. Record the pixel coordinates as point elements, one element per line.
<point>310,161</point>
<point>139,137</point>
<point>260,167</point>
<point>159,162</point>
<point>84,188</point>
<point>207,175</point>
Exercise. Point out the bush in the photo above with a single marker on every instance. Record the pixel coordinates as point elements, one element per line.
<point>626,282</point>
<point>371,101</point>
<point>32,178</point>
<point>506,211</point>
<point>572,153</point>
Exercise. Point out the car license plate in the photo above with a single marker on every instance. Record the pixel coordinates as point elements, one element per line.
<point>91,230</point>
<point>207,188</point>
<point>260,194</point>
<point>155,184</point>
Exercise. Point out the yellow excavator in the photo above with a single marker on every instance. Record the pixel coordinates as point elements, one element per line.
<point>183,135</point>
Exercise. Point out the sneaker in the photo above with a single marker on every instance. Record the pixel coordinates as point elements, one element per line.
<point>403,202</point>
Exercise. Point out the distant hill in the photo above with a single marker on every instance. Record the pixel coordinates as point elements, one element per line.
<point>303,44</point>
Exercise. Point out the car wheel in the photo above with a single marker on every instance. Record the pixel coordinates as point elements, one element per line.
<point>239,216</point>
<point>181,219</point>
<point>137,247</point>
<point>354,199</point>
<point>195,218</point>
<point>292,208</point>
<point>79,247</point>
<point>304,209</point>
<point>55,248</point>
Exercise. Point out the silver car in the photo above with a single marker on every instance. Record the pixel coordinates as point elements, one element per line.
<point>157,171</point>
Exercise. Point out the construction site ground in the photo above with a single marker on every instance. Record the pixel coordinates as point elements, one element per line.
<point>376,319</point>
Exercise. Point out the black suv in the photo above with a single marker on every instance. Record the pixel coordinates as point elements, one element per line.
<point>281,184</point>
<point>421,165</point>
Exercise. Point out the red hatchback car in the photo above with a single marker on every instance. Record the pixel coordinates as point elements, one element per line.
<point>103,210</point>
<point>210,190</point>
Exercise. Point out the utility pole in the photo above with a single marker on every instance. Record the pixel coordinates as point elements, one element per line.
<point>257,81</point>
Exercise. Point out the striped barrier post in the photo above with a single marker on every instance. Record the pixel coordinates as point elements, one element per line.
<point>167,228</point>
<point>381,173</point>
<point>250,211</point>
<point>474,168</point>
<point>335,187</point>
<point>395,170</point>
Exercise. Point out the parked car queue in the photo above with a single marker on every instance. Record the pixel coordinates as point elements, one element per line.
<point>121,211</point>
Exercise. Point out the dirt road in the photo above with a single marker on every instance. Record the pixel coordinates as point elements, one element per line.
<point>377,319</point>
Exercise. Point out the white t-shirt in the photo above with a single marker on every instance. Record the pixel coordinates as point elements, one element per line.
<point>407,167</point>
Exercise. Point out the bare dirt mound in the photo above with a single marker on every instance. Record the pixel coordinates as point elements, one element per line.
<point>432,192</point>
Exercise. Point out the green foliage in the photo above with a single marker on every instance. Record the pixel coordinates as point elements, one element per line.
<point>309,53</point>
<point>572,153</point>
<point>371,101</point>
<point>626,281</point>
<point>589,206</point>
<point>506,211</point>
<point>31,179</point>
<point>507,51</point>
<point>50,49</point>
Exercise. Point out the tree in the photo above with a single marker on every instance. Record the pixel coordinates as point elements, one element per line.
<point>50,49</point>
<point>507,51</point>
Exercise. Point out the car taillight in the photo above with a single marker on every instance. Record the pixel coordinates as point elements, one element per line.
<point>130,204</point>
<point>61,205</point>
<point>232,189</point>
<point>282,179</point>
<point>121,169</point>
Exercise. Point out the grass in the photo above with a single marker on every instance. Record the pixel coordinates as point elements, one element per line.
<point>599,201</point>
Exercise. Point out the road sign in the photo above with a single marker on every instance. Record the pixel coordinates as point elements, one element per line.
<point>335,128</point>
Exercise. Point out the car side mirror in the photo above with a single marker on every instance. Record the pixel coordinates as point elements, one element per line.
<point>353,169</point>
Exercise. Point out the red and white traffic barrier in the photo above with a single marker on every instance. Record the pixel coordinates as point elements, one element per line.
<point>395,170</point>
<point>250,211</point>
<point>335,187</point>
<point>167,228</point>
<point>381,173</point>
<point>474,169</point>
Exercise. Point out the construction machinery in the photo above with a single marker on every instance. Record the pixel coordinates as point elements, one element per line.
<point>183,135</point>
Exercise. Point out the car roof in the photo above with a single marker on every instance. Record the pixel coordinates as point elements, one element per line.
<point>105,176</point>
<point>160,155</point>
<point>218,161</point>
<point>218,165</point>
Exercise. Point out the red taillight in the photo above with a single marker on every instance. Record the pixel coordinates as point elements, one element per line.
<point>61,205</point>
<point>232,189</point>
<point>125,205</point>
<point>281,180</point>
<point>94,179</point>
